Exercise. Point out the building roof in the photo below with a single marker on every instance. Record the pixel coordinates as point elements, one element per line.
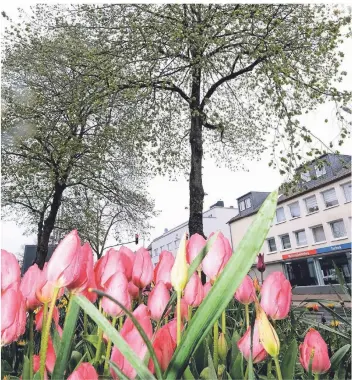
<point>307,187</point>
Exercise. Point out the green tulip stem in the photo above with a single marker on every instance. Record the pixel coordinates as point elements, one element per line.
<point>85,323</point>
<point>316,376</point>
<point>246,373</point>
<point>108,348</point>
<point>120,323</point>
<point>46,333</point>
<point>270,363</point>
<point>216,346</point>
<point>223,322</point>
<point>278,369</point>
<point>98,351</point>
<point>189,313</point>
<point>246,307</point>
<point>30,346</point>
<point>179,317</point>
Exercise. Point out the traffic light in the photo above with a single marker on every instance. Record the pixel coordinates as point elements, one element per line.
<point>136,239</point>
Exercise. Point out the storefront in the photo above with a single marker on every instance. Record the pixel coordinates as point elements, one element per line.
<point>315,267</point>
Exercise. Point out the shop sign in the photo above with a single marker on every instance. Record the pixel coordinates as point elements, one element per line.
<point>299,254</point>
<point>333,248</point>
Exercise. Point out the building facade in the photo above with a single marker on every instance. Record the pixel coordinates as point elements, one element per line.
<point>214,219</point>
<point>311,230</point>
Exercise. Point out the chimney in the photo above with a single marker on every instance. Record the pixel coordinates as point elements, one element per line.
<point>218,204</point>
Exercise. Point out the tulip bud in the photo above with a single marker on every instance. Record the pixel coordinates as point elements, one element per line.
<point>267,334</point>
<point>142,273</point>
<point>29,285</point>
<point>84,371</point>
<point>157,300</point>
<point>162,271</point>
<point>246,291</point>
<point>179,271</point>
<point>195,244</point>
<point>222,347</point>
<point>194,291</point>
<point>10,271</point>
<point>260,263</point>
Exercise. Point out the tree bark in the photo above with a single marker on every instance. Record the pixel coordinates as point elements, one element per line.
<point>48,226</point>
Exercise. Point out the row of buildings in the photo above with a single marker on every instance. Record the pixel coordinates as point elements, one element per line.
<point>310,233</point>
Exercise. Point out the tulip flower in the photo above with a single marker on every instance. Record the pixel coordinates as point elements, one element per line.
<point>39,318</point>
<point>244,345</point>
<point>50,356</point>
<point>164,347</point>
<point>130,258</point>
<point>222,347</point>
<point>217,257</point>
<point>85,371</point>
<point>162,271</point>
<point>132,337</point>
<point>194,245</point>
<point>36,366</point>
<point>194,291</point>
<point>45,288</point>
<point>142,273</point>
<point>133,290</point>
<point>260,263</point>
<point>179,271</point>
<point>206,288</point>
<point>276,296</point>
<point>246,291</point>
<point>13,315</point>
<point>116,287</point>
<point>29,285</point>
<point>10,271</point>
<point>184,310</point>
<point>64,264</point>
<point>91,284</point>
<point>157,300</point>
<point>314,346</point>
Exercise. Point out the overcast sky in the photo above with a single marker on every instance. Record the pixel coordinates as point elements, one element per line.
<point>172,198</point>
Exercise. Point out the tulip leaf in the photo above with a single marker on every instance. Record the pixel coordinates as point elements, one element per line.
<point>335,315</point>
<point>289,361</point>
<point>55,337</point>
<point>26,368</point>
<point>224,288</point>
<point>310,322</point>
<point>212,371</point>
<point>236,370</point>
<point>115,337</point>
<point>188,375</point>
<point>338,356</point>
<point>64,353</point>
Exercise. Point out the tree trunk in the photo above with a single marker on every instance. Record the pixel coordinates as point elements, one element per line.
<point>196,191</point>
<point>48,226</point>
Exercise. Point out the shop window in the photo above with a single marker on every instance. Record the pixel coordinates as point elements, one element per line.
<point>280,215</point>
<point>330,198</point>
<point>342,261</point>
<point>318,234</point>
<point>295,210</point>
<point>272,245</point>
<point>301,238</point>
<point>338,229</point>
<point>285,241</point>
<point>302,273</point>
<point>311,204</point>
<point>347,189</point>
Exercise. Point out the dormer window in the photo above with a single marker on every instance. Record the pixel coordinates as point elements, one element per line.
<point>248,202</point>
<point>319,171</point>
<point>242,206</point>
<point>305,176</point>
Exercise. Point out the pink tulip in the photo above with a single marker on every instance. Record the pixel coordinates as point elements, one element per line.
<point>184,310</point>
<point>85,371</point>
<point>244,345</point>
<point>85,270</point>
<point>39,318</point>
<point>157,300</point>
<point>36,366</point>
<point>246,291</point>
<point>13,315</point>
<point>194,292</point>
<point>218,256</point>
<point>206,288</point>
<point>116,287</point>
<point>276,296</point>
<point>29,285</point>
<point>164,346</point>
<point>142,274</point>
<point>313,342</point>
<point>91,279</point>
<point>130,257</point>
<point>162,271</point>
<point>10,271</point>
<point>50,356</point>
<point>45,288</point>
<point>134,340</point>
<point>64,265</point>
<point>133,290</point>
<point>194,245</point>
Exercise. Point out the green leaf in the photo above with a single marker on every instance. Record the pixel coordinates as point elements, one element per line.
<point>76,357</point>
<point>236,370</point>
<point>212,371</point>
<point>322,326</point>
<point>55,337</point>
<point>338,356</point>
<point>115,337</point>
<point>188,375</point>
<point>26,368</point>
<point>336,316</point>
<point>224,288</point>
<point>234,349</point>
<point>7,369</point>
<point>289,361</point>
<point>67,338</point>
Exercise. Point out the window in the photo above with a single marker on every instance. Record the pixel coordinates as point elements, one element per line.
<point>285,241</point>
<point>248,202</point>
<point>347,189</point>
<point>168,246</point>
<point>330,198</point>
<point>301,272</point>
<point>318,234</point>
<point>301,237</point>
<point>311,204</point>
<point>272,245</point>
<point>305,176</point>
<point>319,171</point>
<point>280,215</point>
<point>342,261</point>
<point>156,252</point>
<point>294,209</point>
<point>338,229</point>
<point>177,242</point>
<point>242,206</point>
